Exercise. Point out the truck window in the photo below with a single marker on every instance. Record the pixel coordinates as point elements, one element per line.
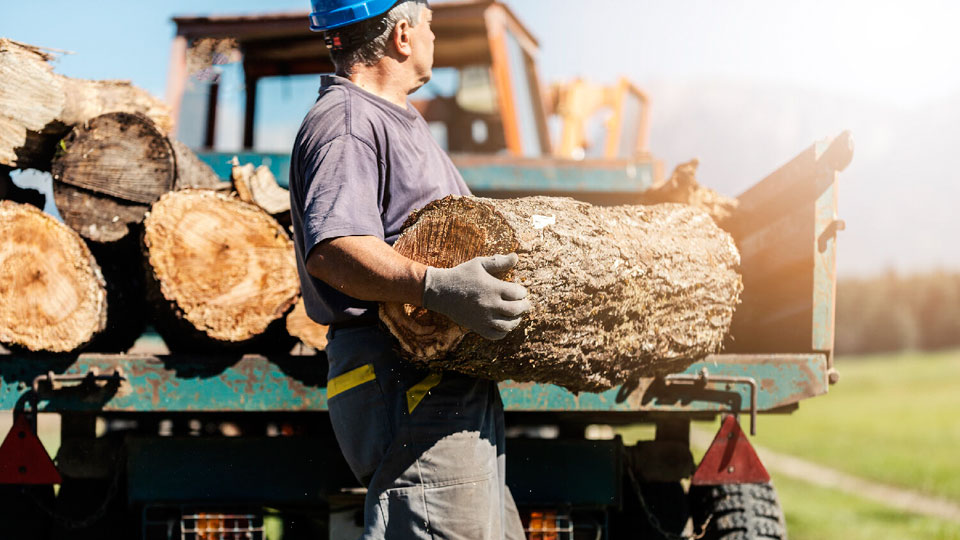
<point>522,84</point>
<point>282,102</point>
<point>460,106</point>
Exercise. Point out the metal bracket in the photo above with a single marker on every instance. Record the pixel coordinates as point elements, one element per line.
<point>703,378</point>
<point>92,376</point>
<point>829,232</point>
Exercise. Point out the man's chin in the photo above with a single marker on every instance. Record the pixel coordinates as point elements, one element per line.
<point>424,79</point>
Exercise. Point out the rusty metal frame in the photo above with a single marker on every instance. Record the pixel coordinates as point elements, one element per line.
<point>501,21</point>
<point>250,383</point>
<point>703,378</point>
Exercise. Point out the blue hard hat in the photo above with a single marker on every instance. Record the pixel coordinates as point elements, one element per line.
<point>330,14</point>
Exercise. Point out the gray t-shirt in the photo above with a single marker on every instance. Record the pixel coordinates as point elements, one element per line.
<point>360,166</point>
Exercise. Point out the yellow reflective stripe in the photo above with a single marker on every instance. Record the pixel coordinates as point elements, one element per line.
<point>350,379</point>
<point>417,392</point>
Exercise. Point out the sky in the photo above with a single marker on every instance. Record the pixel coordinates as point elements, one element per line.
<point>895,52</point>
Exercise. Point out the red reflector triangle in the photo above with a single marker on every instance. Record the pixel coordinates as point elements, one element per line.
<point>23,460</point>
<point>730,459</point>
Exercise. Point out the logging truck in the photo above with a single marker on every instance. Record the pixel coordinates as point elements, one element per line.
<point>215,444</point>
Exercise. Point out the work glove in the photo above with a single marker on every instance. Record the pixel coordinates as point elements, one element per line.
<point>473,298</point>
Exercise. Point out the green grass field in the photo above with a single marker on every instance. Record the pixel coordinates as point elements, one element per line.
<point>815,513</point>
<point>893,419</point>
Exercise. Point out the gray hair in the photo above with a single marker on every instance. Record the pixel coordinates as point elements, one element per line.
<point>373,47</point>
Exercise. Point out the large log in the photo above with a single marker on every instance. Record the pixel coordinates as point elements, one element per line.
<point>220,272</point>
<point>38,107</point>
<point>617,292</point>
<point>108,171</point>
<point>52,295</point>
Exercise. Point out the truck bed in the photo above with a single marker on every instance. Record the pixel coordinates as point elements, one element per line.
<point>781,349</point>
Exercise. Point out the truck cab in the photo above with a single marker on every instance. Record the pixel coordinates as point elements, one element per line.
<point>486,105</point>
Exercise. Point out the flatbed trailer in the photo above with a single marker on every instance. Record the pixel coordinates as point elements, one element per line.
<point>162,446</point>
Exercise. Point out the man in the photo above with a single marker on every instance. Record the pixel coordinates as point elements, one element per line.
<point>429,446</point>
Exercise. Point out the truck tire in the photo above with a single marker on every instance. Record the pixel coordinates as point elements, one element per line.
<point>738,512</point>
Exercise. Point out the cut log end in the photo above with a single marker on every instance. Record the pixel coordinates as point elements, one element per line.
<point>192,172</point>
<point>223,267</point>
<point>52,293</point>
<point>443,235</point>
<point>107,173</point>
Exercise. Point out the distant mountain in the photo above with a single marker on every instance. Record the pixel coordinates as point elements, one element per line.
<point>898,196</point>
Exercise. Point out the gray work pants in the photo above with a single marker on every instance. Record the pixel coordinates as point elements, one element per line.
<point>429,447</point>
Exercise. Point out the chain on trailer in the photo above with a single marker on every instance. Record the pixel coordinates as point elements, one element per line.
<point>652,518</point>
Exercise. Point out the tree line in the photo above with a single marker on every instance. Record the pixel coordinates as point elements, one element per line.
<point>892,312</point>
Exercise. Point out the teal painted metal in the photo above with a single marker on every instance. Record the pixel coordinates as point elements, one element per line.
<point>558,176</point>
<point>255,383</point>
<point>496,175</point>
<point>825,267</point>
<point>221,163</point>
<point>250,383</point>
<point>783,379</point>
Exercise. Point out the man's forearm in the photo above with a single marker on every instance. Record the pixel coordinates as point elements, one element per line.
<point>367,268</point>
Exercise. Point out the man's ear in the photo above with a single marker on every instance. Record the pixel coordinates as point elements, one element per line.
<point>401,38</point>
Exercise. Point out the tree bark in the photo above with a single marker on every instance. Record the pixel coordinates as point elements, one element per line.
<point>194,173</point>
<point>52,293</point>
<point>682,187</point>
<point>38,107</point>
<point>618,292</point>
<point>220,272</point>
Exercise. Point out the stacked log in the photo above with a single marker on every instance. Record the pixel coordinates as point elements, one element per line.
<point>108,172</point>
<point>221,273</point>
<point>258,186</point>
<point>52,294</point>
<point>618,292</point>
<point>38,107</point>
